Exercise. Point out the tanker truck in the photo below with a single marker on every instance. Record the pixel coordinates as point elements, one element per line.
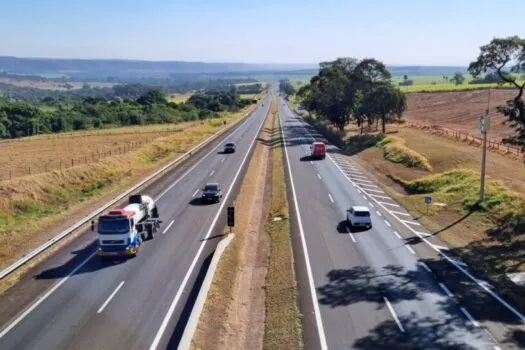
<point>121,231</point>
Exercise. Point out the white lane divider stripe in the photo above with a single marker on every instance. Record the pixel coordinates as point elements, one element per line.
<point>394,315</point>
<point>439,247</point>
<point>352,236</point>
<point>399,213</point>
<point>110,297</point>
<point>469,316</point>
<point>331,199</point>
<point>410,249</point>
<point>319,176</point>
<point>398,235</point>
<point>446,290</point>
<point>378,213</point>
<point>222,160</point>
<point>425,266</point>
<point>391,204</point>
<point>411,222</point>
<point>372,205</point>
<point>212,172</point>
<point>364,197</point>
<point>196,191</point>
<point>378,196</point>
<point>358,190</point>
<point>168,227</point>
<point>387,223</point>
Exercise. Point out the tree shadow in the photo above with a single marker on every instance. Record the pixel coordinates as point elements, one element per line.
<point>79,256</point>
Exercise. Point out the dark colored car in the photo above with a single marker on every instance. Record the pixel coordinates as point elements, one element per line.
<point>229,147</point>
<point>212,192</point>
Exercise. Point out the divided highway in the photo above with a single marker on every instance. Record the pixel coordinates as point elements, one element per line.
<point>384,288</point>
<point>74,300</point>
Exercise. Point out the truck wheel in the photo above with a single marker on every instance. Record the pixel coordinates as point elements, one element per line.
<point>150,232</point>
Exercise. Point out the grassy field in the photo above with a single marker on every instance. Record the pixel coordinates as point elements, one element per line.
<point>283,323</point>
<point>429,83</point>
<point>52,85</point>
<point>33,208</point>
<point>179,98</point>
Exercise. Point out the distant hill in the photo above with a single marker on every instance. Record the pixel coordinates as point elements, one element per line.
<point>132,70</point>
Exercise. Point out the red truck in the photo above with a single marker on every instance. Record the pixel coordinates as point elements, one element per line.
<point>318,150</point>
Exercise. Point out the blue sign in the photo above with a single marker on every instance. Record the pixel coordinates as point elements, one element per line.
<point>428,199</point>
<point>301,108</point>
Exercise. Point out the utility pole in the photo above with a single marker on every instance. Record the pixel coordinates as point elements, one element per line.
<point>484,127</point>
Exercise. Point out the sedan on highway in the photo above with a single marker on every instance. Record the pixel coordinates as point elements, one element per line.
<point>358,217</point>
<point>212,192</point>
<point>229,147</point>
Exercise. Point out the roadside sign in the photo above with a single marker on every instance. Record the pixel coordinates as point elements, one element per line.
<point>301,108</point>
<point>231,216</point>
<point>428,199</point>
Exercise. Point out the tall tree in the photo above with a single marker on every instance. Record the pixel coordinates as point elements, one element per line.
<point>286,87</point>
<point>498,55</point>
<point>386,102</point>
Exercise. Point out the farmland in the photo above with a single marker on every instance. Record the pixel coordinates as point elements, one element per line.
<point>52,85</point>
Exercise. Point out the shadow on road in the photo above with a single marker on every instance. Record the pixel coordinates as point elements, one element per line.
<point>79,256</point>
<point>201,202</point>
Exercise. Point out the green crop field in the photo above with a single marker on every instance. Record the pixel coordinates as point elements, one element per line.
<point>432,83</point>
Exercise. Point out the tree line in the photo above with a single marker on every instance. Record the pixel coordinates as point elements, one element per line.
<point>348,89</point>
<point>24,118</point>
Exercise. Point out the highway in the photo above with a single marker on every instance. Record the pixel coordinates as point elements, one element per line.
<point>390,287</point>
<point>74,300</point>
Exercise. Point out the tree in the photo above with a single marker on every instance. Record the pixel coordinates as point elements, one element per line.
<point>458,78</point>
<point>386,102</point>
<point>405,78</point>
<point>152,97</point>
<point>495,56</point>
<point>286,87</point>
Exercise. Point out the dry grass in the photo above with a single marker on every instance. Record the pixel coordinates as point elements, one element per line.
<point>179,98</point>
<point>283,324</point>
<point>51,85</point>
<point>33,207</point>
<point>395,150</point>
<point>43,153</point>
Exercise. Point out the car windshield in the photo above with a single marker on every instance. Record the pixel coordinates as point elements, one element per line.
<point>112,226</point>
<point>211,188</point>
<point>230,145</point>
<point>361,213</point>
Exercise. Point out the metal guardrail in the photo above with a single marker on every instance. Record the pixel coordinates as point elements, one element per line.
<point>17,264</point>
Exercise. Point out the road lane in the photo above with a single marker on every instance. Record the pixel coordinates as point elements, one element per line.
<point>68,317</point>
<point>353,279</point>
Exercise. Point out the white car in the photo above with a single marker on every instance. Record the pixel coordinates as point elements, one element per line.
<point>358,217</point>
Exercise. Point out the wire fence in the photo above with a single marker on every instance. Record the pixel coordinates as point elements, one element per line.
<point>64,162</point>
<point>495,146</point>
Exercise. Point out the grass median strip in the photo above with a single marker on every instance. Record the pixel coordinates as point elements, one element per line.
<point>283,324</point>
<point>253,299</point>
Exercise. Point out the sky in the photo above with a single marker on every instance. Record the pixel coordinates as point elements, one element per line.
<point>397,32</point>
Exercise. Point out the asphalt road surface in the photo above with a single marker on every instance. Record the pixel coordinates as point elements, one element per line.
<point>393,286</point>
<point>77,301</point>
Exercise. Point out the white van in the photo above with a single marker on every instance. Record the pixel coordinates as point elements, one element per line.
<point>358,217</point>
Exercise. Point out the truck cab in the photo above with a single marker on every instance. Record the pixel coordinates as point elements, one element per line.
<point>121,231</point>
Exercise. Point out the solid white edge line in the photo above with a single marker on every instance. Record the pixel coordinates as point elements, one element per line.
<point>43,297</point>
<point>469,316</point>
<point>387,223</point>
<point>446,290</point>
<point>394,315</point>
<point>398,235</point>
<point>168,227</point>
<point>410,249</point>
<point>175,301</point>
<point>317,312</point>
<point>110,297</point>
<point>196,191</point>
<point>331,199</point>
